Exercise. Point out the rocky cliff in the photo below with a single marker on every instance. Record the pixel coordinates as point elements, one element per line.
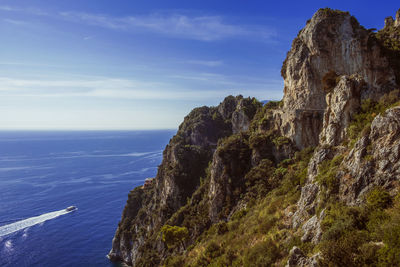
<point>306,181</point>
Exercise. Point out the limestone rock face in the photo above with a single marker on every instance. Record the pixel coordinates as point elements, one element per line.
<point>341,103</point>
<point>397,21</point>
<point>374,160</point>
<point>227,174</point>
<point>185,160</point>
<point>297,258</point>
<point>332,44</point>
<point>219,188</point>
<point>334,64</point>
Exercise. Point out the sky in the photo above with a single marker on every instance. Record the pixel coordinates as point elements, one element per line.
<point>122,65</point>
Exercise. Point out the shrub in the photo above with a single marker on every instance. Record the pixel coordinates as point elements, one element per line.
<point>175,261</point>
<point>263,254</point>
<point>266,225</point>
<point>174,235</point>
<point>361,122</point>
<point>327,174</point>
<point>378,198</point>
<point>213,250</point>
<point>222,228</point>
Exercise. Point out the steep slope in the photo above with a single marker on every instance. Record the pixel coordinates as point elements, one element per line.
<point>306,181</point>
<point>185,160</point>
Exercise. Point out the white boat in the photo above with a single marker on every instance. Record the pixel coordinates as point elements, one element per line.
<point>71,208</point>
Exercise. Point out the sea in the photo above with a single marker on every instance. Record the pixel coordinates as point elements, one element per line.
<point>42,173</point>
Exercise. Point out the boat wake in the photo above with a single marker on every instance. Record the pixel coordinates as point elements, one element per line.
<point>20,225</point>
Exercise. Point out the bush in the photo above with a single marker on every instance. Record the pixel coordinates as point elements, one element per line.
<point>174,235</point>
<point>175,261</point>
<point>327,174</point>
<point>344,250</point>
<point>222,228</point>
<point>263,254</point>
<point>361,122</point>
<point>266,225</point>
<point>213,250</point>
<point>378,198</point>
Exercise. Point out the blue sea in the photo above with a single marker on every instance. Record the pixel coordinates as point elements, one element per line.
<point>43,173</point>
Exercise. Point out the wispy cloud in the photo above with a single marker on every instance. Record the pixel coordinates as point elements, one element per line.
<point>30,10</point>
<point>184,26</point>
<point>208,63</point>
<point>88,37</point>
<point>15,22</point>
<point>7,8</point>
<point>98,88</point>
<point>204,28</point>
<point>111,88</point>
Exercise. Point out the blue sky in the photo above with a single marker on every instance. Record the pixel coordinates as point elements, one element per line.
<point>96,64</point>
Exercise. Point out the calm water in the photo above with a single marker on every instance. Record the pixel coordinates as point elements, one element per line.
<point>42,173</point>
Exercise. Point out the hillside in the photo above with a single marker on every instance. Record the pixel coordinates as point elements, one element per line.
<point>310,180</point>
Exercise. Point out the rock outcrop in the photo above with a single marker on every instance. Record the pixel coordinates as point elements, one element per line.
<point>333,66</point>
<point>185,160</point>
<point>333,44</point>
<point>222,158</point>
<point>374,160</point>
<point>298,259</point>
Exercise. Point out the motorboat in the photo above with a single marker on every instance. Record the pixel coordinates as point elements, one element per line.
<point>71,208</point>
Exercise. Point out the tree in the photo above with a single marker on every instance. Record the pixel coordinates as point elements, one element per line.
<point>174,235</point>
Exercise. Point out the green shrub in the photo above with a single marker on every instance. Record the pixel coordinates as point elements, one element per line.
<point>378,198</point>
<point>222,228</point>
<point>239,214</point>
<point>174,235</point>
<point>213,250</point>
<point>281,140</point>
<point>175,261</point>
<point>361,122</point>
<point>263,254</point>
<point>266,225</point>
<point>327,174</point>
<point>344,250</point>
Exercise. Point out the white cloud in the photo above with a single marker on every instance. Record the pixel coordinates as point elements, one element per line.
<point>111,88</point>
<point>14,22</point>
<point>8,8</point>
<point>30,10</point>
<point>208,63</point>
<point>204,28</point>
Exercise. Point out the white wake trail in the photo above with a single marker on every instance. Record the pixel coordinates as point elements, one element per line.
<point>14,227</point>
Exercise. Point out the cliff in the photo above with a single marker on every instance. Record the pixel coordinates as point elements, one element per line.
<point>306,181</point>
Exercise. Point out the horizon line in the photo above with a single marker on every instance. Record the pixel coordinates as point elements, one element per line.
<point>87,130</point>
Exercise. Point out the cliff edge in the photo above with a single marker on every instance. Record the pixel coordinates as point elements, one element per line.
<point>309,180</point>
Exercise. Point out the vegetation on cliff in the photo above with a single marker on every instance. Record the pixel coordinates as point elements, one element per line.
<point>310,180</point>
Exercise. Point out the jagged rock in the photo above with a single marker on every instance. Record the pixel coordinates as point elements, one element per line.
<point>239,110</point>
<point>389,21</point>
<point>312,229</point>
<point>374,160</point>
<point>185,160</point>
<point>397,21</point>
<point>297,258</point>
<point>218,189</point>
<point>231,162</point>
<point>332,43</point>
<point>341,103</point>
<point>306,205</point>
<point>333,65</point>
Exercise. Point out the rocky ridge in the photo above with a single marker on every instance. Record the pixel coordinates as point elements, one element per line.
<point>227,163</point>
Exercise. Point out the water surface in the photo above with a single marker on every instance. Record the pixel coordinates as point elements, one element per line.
<point>42,173</point>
